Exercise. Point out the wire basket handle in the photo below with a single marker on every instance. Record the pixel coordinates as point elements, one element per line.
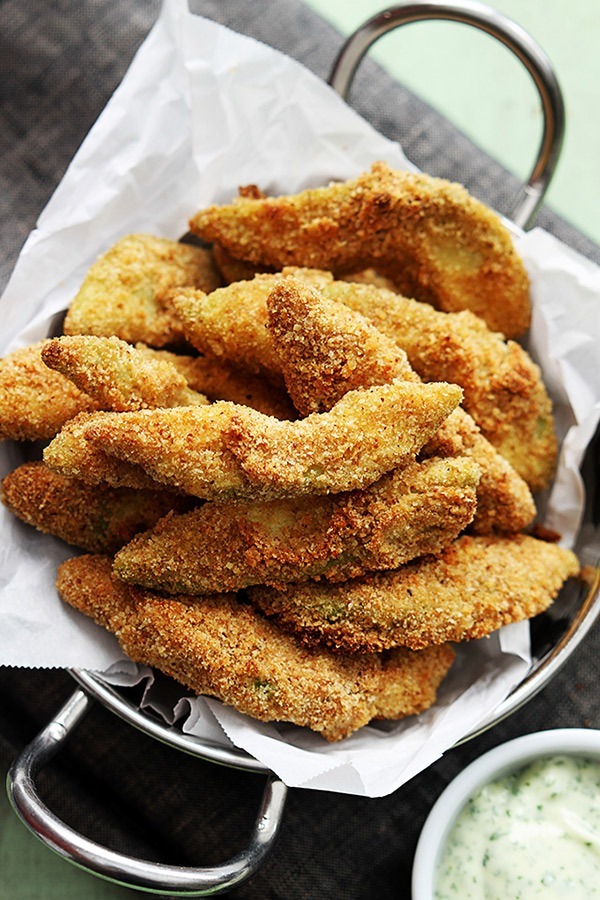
<point>508,33</point>
<point>119,868</point>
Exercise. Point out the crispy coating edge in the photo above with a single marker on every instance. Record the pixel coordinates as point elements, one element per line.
<point>230,452</point>
<point>97,518</point>
<point>475,586</point>
<point>117,375</point>
<point>459,253</point>
<point>326,348</point>
<point>225,547</point>
<point>224,648</point>
<point>35,402</point>
<point>71,454</point>
<point>125,290</point>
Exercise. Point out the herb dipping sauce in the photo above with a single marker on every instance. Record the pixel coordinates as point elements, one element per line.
<point>533,833</point>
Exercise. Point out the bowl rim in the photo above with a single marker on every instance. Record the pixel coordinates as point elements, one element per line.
<point>493,764</point>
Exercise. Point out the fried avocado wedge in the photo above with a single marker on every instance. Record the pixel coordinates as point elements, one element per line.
<point>34,401</point>
<point>221,647</point>
<point>476,585</point>
<point>230,452</point>
<point>117,375</point>
<point>97,518</point>
<point>225,547</point>
<point>503,388</point>
<point>125,289</point>
<point>325,349</point>
<point>456,252</point>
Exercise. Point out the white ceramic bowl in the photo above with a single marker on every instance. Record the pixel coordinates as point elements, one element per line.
<point>498,762</point>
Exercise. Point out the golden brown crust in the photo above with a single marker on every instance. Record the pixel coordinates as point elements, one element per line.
<point>220,381</point>
<point>504,391</point>
<point>222,325</point>
<point>117,375</point>
<point>230,452</point>
<point>226,547</point>
<point>34,401</point>
<point>504,501</point>
<point>367,433</point>
<point>71,454</point>
<point>475,586</point>
<point>125,290</point>
<point>223,648</point>
<point>96,518</point>
<point>459,254</point>
<point>325,349</point>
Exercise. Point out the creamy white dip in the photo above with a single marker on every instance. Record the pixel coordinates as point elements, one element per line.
<point>533,833</point>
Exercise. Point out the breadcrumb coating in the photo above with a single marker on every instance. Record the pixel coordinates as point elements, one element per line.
<point>325,348</point>
<point>458,252</point>
<point>34,401</point>
<point>226,547</point>
<point>230,452</point>
<point>71,454</point>
<point>365,434</point>
<point>504,501</point>
<point>225,649</point>
<point>223,325</point>
<point>118,376</point>
<point>222,381</point>
<point>504,391</point>
<point>476,585</point>
<point>98,518</point>
<point>125,290</point>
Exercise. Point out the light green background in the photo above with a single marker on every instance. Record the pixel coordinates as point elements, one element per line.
<point>479,86</point>
<point>484,90</point>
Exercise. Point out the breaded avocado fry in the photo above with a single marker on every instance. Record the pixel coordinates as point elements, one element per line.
<point>34,401</point>
<point>97,518</point>
<point>230,452</point>
<point>124,292</point>
<point>325,349</point>
<point>504,391</point>
<point>118,376</point>
<point>459,253</point>
<point>476,585</point>
<point>224,547</point>
<point>221,647</point>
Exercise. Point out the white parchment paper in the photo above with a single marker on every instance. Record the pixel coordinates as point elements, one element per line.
<point>201,111</point>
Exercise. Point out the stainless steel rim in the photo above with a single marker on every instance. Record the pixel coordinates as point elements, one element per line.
<point>519,41</point>
<point>117,867</point>
<point>111,697</point>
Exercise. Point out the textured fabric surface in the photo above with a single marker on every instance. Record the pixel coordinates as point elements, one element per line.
<point>61,60</point>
